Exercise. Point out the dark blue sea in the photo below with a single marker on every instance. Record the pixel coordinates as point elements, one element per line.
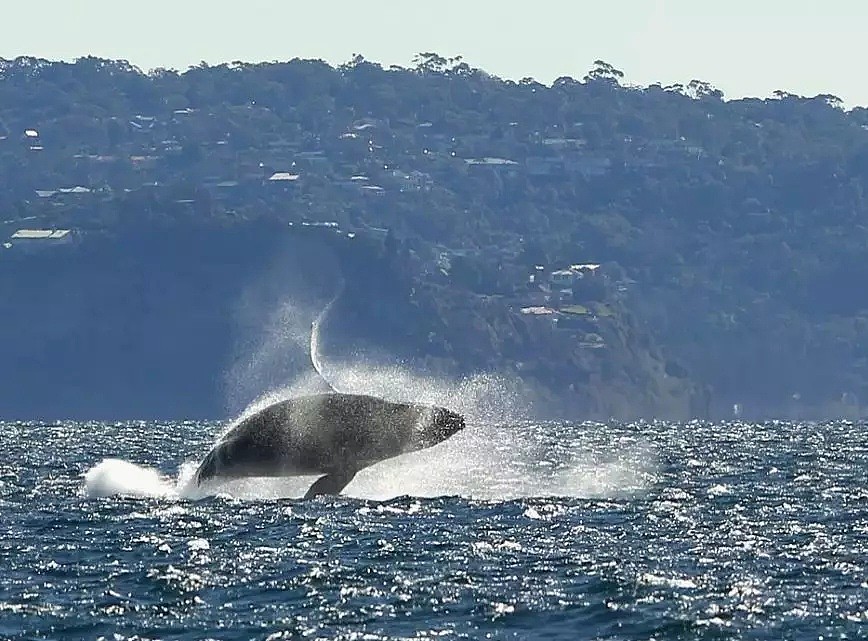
<point>508,531</point>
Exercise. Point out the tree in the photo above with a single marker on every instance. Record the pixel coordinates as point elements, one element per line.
<point>430,62</point>
<point>604,72</point>
<point>699,89</point>
<point>831,100</point>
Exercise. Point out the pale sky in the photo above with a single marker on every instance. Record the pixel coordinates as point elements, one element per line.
<point>744,47</point>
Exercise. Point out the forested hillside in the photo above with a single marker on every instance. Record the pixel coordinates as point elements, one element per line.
<point>731,234</point>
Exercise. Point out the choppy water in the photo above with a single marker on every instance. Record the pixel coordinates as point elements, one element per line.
<point>556,531</point>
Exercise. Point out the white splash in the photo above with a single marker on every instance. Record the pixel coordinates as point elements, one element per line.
<point>508,461</point>
<point>488,464</point>
<point>112,476</point>
<point>499,456</point>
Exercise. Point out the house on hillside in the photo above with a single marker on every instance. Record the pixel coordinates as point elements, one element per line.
<point>282,178</point>
<point>36,239</point>
<point>586,269</point>
<point>495,163</point>
<point>564,278</point>
<point>561,143</point>
<point>78,190</point>
<point>577,282</point>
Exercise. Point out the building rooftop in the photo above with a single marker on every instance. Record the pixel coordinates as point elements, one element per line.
<point>283,175</point>
<point>38,234</point>
<point>537,310</point>
<point>489,161</point>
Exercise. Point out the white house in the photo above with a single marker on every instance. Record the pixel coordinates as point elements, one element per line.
<point>35,239</point>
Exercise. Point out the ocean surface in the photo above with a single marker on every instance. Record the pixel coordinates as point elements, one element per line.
<point>511,530</point>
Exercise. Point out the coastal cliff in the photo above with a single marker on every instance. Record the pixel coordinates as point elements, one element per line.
<point>195,321</point>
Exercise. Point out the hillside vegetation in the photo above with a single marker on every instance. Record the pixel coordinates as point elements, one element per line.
<point>731,233</point>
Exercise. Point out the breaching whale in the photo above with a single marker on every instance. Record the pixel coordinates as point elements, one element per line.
<point>331,434</point>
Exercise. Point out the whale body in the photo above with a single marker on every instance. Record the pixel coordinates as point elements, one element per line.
<point>332,434</point>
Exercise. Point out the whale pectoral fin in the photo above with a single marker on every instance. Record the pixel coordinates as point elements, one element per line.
<point>331,483</point>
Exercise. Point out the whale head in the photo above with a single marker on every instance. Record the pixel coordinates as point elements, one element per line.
<point>439,425</point>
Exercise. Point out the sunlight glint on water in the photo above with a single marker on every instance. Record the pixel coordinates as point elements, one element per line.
<point>537,530</point>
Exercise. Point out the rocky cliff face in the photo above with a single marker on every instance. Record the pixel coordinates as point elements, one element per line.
<point>136,325</point>
<point>195,322</point>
